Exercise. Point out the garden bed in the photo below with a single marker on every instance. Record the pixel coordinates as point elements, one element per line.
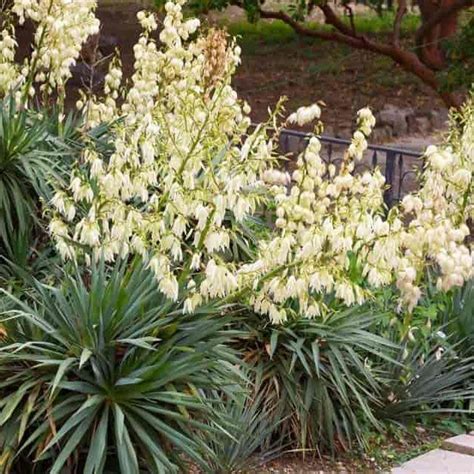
<point>173,300</point>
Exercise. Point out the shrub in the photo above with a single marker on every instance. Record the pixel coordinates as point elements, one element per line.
<point>122,368</point>
<point>106,375</point>
<point>183,168</point>
<point>38,149</point>
<point>458,317</point>
<point>30,158</point>
<point>428,383</point>
<point>331,233</point>
<point>251,427</point>
<point>317,374</point>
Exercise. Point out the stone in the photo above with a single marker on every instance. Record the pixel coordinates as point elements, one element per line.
<point>463,444</point>
<point>438,118</point>
<point>394,117</point>
<point>419,125</point>
<point>381,134</point>
<point>438,461</point>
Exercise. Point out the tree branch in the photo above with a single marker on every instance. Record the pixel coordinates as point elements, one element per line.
<point>406,59</point>
<point>401,10</point>
<point>438,16</point>
<point>331,18</point>
<point>350,12</point>
<point>305,31</point>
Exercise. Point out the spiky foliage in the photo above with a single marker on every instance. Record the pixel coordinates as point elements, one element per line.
<point>460,316</point>
<point>441,381</point>
<point>38,149</point>
<point>102,374</point>
<point>315,373</point>
<point>26,165</point>
<point>250,426</point>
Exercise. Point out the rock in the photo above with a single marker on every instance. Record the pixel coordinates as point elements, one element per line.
<point>419,125</point>
<point>463,444</point>
<point>381,134</point>
<point>438,461</point>
<point>394,117</point>
<point>438,118</point>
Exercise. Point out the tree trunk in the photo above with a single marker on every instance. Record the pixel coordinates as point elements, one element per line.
<point>430,43</point>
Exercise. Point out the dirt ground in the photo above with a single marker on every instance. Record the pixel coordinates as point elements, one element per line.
<point>382,454</point>
<point>355,79</point>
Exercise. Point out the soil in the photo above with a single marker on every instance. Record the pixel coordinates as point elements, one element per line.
<point>292,464</point>
<point>382,454</point>
<point>357,79</point>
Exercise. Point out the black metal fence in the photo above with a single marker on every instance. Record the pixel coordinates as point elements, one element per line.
<point>399,166</point>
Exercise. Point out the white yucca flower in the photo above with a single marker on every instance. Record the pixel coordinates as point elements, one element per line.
<point>186,167</point>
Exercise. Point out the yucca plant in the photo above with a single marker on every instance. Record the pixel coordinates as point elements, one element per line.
<point>315,373</point>
<point>250,427</point>
<point>459,317</point>
<point>29,158</point>
<point>33,156</point>
<point>441,381</point>
<point>28,257</point>
<point>103,374</point>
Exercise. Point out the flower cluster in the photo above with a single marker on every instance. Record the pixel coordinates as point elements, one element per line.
<point>180,178</point>
<point>365,125</point>
<point>336,238</point>
<point>10,77</point>
<point>215,52</point>
<point>187,169</point>
<point>438,215</point>
<point>62,27</point>
<point>332,237</point>
<point>305,115</point>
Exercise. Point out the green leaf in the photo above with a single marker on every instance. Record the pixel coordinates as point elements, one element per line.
<point>119,418</point>
<point>273,342</point>
<point>126,452</point>
<point>12,402</point>
<point>315,350</point>
<point>72,444</point>
<point>143,342</point>
<point>98,446</point>
<point>89,407</point>
<point>63,367</point>
<point>86,353</point>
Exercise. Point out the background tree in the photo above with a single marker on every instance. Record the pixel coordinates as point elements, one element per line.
<point>425,56</point>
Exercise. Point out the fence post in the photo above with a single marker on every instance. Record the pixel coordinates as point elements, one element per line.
<point>389,177</point>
